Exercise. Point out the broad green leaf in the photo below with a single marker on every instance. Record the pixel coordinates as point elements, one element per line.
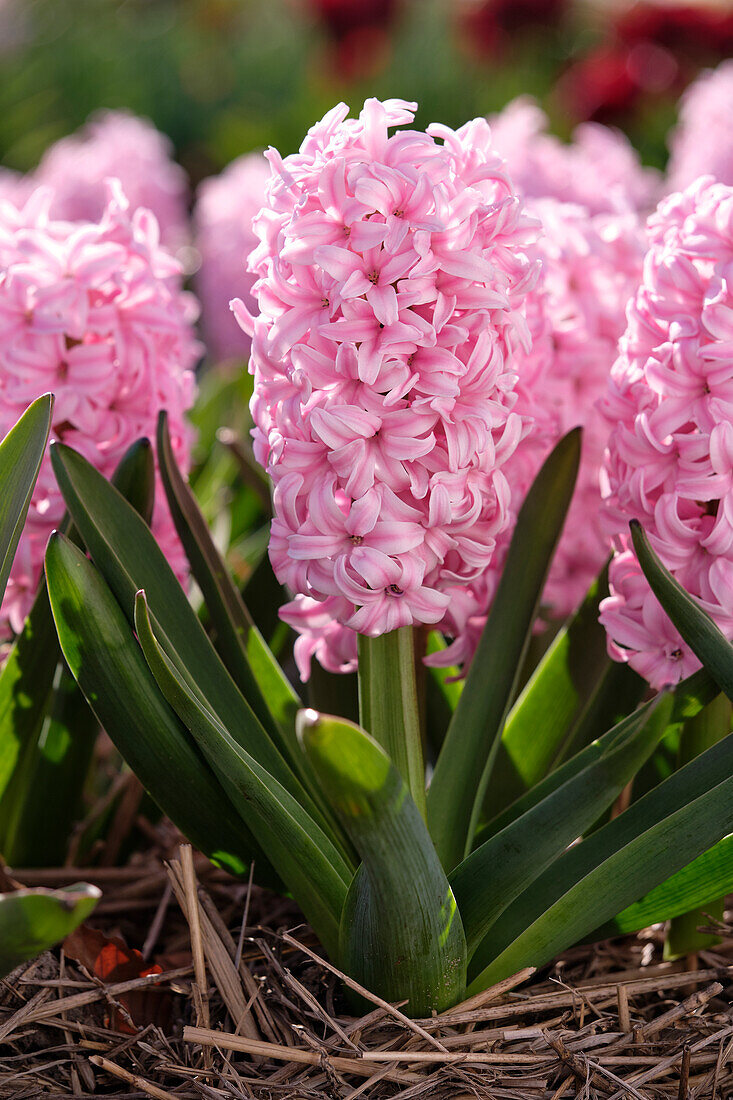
<point>42,709</point>
<point>618,692</point>
<point>464,765</point>
<point>44,798</point>
<point>401,933</point>
<point>31,921</point>
<point>239,642</point>
<point>613,867</point>
<point>706,641</point>
<point>21,453</point>
<point>710,875</point>
<point>492,876</point>
<point>134,478</point>
<point>388,707</point>
<point>699,733</point>
<point>26,685</point>
<point>306,858</point>
<point>541,721</point>
<point>689,698</point>
<point>108,665</point>
<point>129,558</point>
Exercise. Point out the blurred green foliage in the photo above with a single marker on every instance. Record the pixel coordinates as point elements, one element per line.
<point>221,77</point>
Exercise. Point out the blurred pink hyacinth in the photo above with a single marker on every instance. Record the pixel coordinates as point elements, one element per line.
<point>95,314</point>
<point>392,274</point>
<point>669,404</point>
<point>599,169</point>
<point>591,265</point>
<point>225,207</point>
<point>115,144</point>
<point>702,142</point>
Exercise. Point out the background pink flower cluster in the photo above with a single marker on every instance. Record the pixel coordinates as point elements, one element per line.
<point>225,207</point>
<point>590,267</point>
<point>670,415</point>
<point>392,274</point>
<point>113,144</point>
<point>95,314</point>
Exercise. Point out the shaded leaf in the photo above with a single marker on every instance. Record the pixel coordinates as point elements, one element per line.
<point>303,854</point>
<point>21,453</point>
<point>109,667</point>
<point>464,765</point>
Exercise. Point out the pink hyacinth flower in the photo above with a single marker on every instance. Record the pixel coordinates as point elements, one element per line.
<point>669,404</point>
<point>392,271</point>
<point>115,144</point>
<point>95,314</point>
<point>599,169</point>
<point>702,142</point>
<point>225,207</point>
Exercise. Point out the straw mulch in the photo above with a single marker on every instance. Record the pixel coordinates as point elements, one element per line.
<point>240,1003</point>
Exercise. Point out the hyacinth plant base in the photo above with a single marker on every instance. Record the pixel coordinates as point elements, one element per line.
<point>240,1003</point>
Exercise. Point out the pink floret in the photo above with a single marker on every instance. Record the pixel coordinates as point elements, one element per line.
<point>669,405</point>
<point>225,207</point>
<point>95,314</point>
<point>392,276</point>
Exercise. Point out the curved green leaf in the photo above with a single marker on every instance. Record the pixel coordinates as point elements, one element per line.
<point>31,921</point>
<point>613,867</point>
<point>100,649</point>
<point>689,698</point>
<point>129,558</point>
<point>242,647</point>
<point>703,637</point>
<point>303,854</point>
<point>464,765</point>
<point>540,722</point>
<point>708,876</point>
<point>21,453</point>
<point>401,933</point>
<point>43,710</point>
<point>492,876</point>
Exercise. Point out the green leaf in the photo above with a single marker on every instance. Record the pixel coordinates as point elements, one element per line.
<point>42,709</point>
<point>239,642</point>
<point>45,796</point>
<point>100,649</point>
<point>134,478</point>
<point>129,558</point>
<point>26,685</point>
<point>388,707</point>
<point>613,867</point>
<point>541,721</point>
<point>706,641</point>
<point>708,876</point>
<point>31,921</point>
<point>688,699</point>
<point>464,765</point>
<point>699,734</point>
<point>492,876</point>
<point>618,692</point>
<point>21,453</point>
<point>401,933</point>
<point>303,854</point>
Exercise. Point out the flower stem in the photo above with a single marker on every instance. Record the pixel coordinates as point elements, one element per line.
<point>388,705</point>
